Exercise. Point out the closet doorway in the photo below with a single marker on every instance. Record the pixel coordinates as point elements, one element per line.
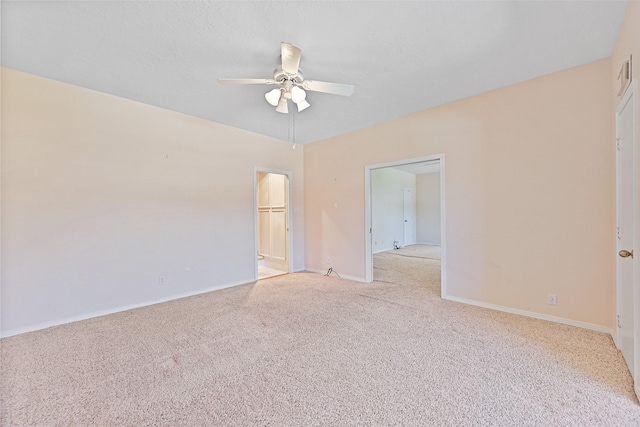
<point>272,214</point>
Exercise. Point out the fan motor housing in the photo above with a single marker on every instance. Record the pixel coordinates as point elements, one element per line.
<point>279,75</point>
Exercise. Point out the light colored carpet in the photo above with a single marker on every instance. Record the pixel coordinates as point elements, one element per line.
<point>305,349</point>
<point>265,272</point>
<point>414,265</point>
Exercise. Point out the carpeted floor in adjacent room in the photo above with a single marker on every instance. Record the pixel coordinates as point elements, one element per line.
<point>304,349</point>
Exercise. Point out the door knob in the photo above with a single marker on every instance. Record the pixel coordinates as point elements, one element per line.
<point>625,254</point>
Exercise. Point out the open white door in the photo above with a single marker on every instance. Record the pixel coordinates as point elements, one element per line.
<point>409,218</point>
<point>626,229</point>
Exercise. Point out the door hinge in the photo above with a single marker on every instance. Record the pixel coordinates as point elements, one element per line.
<point>618,321</point>
<point>618,233</point>
<point>618,144</point>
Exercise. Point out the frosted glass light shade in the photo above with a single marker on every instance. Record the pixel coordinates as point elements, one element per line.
<point>282,106</point>
<point>273,97</point>
<point>297,94</point>
<point>303,105</point>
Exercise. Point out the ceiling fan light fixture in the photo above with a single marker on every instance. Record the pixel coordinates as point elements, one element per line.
<point>298,94</point>
<point>302,105</point>
<point>273,97</point>
<point>291,82</point>
<point>282,106</point>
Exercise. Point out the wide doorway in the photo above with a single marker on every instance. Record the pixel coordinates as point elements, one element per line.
<point>272,224</point>
<point>405,221</point>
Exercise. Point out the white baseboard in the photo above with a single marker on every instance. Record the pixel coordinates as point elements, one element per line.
<point>31,328</point>
<point>637,389</point>
<point>428,243</point>
<point>39,326</point>
<point>342,276</point>
<point>377,251</point>
<point>547,317</point>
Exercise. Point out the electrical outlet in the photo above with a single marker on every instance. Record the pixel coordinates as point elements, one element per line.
<point>328,260</point>
<point>161,281</point>
<point>551,299</point>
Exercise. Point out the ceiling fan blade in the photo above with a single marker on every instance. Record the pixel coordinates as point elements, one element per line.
<point>334,88</point>
<point>290,57</point>
<point>246,81</point>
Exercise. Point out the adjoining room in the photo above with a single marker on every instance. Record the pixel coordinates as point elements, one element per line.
<point>273,229</point>
<point>406,220</point>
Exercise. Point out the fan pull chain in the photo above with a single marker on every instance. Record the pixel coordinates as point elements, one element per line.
<point>293,119</point>
<point>291,129</point>
<point>288,128</point>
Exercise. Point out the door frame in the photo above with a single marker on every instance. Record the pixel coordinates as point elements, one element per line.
<point>368,214</point>
<point>289,251</point>
<point>631,96</point>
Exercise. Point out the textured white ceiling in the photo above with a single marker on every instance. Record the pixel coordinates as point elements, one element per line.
<point>402,57</point>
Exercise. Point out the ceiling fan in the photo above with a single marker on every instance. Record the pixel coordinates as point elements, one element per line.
<point>292,83</point>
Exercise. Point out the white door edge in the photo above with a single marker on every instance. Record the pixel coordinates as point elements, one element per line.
<point>630,96</point>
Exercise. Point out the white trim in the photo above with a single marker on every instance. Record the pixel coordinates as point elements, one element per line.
<point>342,276</point>
<point>368,247</point>
<point>377,251</point>
<point>0,221</point>
<point>289,176</point>
<point>39,326</point>
<point>532,314</point>
<point>368,263</point>
<point>428,243</point>
<point>636,242</point>
<point>443,234</point>
<point>637,389</point>
<point>383,250</point>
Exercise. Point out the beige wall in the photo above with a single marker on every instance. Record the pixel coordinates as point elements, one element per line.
<point>102,196</point>
<point>428,208</point>
<point>529,193</point>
